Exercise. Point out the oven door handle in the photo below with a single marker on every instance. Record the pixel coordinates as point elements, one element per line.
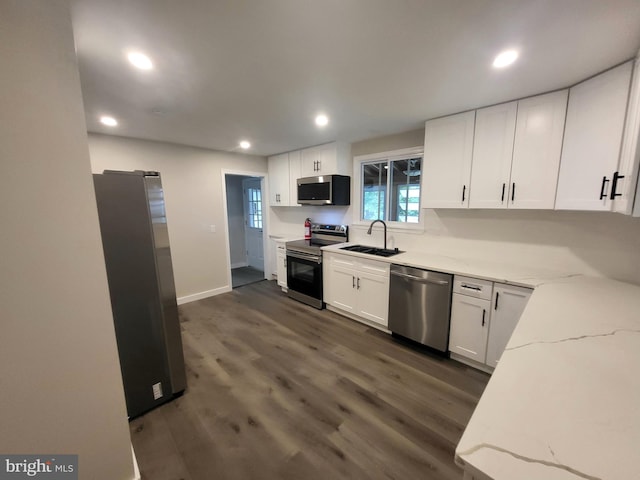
<point>303,256</point>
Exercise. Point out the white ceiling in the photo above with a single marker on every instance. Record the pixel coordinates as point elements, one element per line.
<point>260,69</point>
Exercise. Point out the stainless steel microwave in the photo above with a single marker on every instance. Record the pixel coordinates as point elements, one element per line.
<point>324,190</point>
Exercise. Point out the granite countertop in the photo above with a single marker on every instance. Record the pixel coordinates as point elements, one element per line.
<point>564,401</point>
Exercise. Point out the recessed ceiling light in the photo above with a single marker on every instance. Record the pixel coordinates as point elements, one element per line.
<point>506,58</point>
<point>244,144</point>
<point>140,60</point>
<point>322,120</point>
<point>108,121</point>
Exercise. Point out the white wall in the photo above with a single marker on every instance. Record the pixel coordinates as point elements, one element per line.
<point>192,180</point>
<point>60,383</point>
<point>235,220</point>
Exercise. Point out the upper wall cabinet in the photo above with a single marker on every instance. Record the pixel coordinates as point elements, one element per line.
<point>328,159</point>
<point>283,171</point>
<point>448,145</point>
<point>492,155</point>
<point>592,141</point>
<point>536,151</point>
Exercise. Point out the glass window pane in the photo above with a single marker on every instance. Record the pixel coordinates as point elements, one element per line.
<point>405,186</point>
<point>374,189</point>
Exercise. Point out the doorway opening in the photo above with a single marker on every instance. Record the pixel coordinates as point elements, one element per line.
<point>245,228</point>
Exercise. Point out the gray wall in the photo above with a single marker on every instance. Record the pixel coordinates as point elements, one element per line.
<point>192,180</point>
<point>60,383</point>
<point>235,215</point>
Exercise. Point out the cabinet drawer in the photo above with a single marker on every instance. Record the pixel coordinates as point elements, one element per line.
<point>473,287</point>
<point>374,266</point>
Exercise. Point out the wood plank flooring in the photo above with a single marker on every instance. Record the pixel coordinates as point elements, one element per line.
<point>279,390</point>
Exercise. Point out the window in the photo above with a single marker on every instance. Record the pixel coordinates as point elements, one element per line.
<point>391,189</point>
<point>254,196</point>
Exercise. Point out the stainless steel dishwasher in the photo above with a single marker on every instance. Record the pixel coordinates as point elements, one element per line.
<point>420,305</point>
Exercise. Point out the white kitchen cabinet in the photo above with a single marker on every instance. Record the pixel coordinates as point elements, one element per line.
<point>446,171</point>
<point>329,159</point>
<point>470,317</point>
<point>357,286</point>
<point>592,140</point>
<point>508,304</point>
<point>630,151</point>
<point>492,156</point>
<point>469,327</point>
<point>279,182</point>
<point>281,263</point>
<point>284,170</point>
<point>536,151</point>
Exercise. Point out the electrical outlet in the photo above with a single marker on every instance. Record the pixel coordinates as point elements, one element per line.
<point>212,228</point>
<point>157,390</point>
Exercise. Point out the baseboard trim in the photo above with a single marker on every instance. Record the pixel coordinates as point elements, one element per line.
<point>239,265</point>
<point>201,295</point>
<point>136,468</point>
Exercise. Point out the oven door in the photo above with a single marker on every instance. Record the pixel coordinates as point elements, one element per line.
<point>304,277</point>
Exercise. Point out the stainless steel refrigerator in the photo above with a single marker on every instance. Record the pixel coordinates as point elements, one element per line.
<point>143,297</point>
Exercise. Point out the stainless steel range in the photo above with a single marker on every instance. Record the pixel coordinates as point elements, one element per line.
<point>304,262</point>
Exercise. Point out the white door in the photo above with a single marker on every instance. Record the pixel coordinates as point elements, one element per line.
<point>536,151</point>
<point>492,154</point>
<point>508,304</point>
<point>469,326</point>
<point>592,139</point>
<point>373,297</point>
<point>253,209</point>
<point>446,171</point>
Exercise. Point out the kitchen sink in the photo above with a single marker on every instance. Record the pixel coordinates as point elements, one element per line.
<point>380,252</point>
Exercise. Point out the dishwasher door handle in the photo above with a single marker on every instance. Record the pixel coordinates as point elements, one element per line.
<point>420,279</point>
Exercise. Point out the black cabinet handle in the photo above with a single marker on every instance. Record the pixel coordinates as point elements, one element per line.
<point>614,185</point>
<point>319,165</point>
<point>358,283</point>
<point>605,180</point>
<point>497,295</point>
<point>464,189</point>
<point>353,282</point>
<point>484,312</point>
<point>504,185</point>
<point>513,192</point>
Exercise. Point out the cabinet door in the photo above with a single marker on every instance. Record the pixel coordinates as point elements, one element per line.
<point>592,139</point>
<point>281,259</point>
<point>492,155</point>
<point>469,326</point>
<point>327,159</point>
<point>373,297</point>
<point>309,160</point>
<point>341,287</point>
<point>536,151</point>
<point>630,152</point>
<point>278,169</point>
<point>294,175</point>
<point>508,304</point>
<point>446,171</point>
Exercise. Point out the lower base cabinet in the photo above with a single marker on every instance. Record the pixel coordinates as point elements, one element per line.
<point>281,264</point>
<point>357,286</point>
<point>483,317</point>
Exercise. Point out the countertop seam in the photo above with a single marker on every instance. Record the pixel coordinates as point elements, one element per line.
<point>573,339</point>
<point>528,459</point>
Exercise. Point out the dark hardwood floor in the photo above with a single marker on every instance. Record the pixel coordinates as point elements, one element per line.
<point>279,390</point>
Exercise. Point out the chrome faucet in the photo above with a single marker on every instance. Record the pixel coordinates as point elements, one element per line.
<point>385,230</point>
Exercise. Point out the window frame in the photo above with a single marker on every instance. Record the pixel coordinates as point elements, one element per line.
<point>358,161</point>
